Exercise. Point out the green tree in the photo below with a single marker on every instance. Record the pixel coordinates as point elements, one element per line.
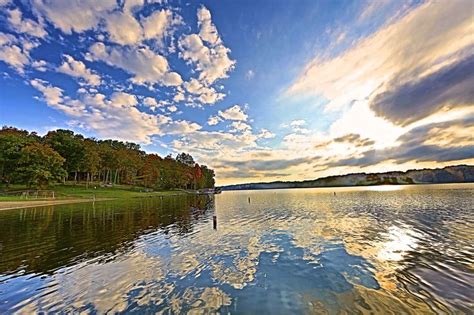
<point>39,164</point>
<point>185,159</point>
<point>69,146</point>
<point>12,141</point>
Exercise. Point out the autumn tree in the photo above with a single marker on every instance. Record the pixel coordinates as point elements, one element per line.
<point>108,161</point>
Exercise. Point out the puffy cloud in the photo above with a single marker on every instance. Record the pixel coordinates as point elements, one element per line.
<point>123,99</point>
<point>25,26</point>
<point>52,95</point>
<point>266,134</point>
<point>123,29</point>
<point>157,25</point>
<point>172,108</point>
<point>205,95</point>
<point>15,51</point>
<point>116,117</point>
<point>212,60</point>
<point>150,102</point>
<point>78,69</point>
<point>212,63</point>
<point>131,5</point>
<point>233,113</point>
<point>40,65</point>
<point>239,126</point>
<point>14,56</point>
<point>428,38</point>
<point>213,120</point>
<point>146,66</point>
<point>207,30</point>
<point>74,16</point>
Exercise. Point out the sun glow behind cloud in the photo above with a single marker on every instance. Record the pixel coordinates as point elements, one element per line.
<point>177,79</point>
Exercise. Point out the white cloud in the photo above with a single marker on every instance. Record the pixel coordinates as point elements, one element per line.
<point>74,16</point>
<point>146,66</point>
<point>239,126</point>
<point>205,95</point>
<point>208,31</point>
<point>212,61</point>
<point>213,120</point>
<point>40,65</point>
<point>234,113</point>
<point>123,29</point>
<point>179,96</point>
<point>16,51</point>
<point>131,5</point>
<point>172,108</point>
<point>150,102</point>
<point>14,56</point>
<point>22,26</point>
<point>123,99</point>
<point>117,117</point>
<point>78,69</point>
<point>213,64</point>
<point>297,123</point>
<point>266,134</point>
<point>157,25</point>
<point>52,95</point>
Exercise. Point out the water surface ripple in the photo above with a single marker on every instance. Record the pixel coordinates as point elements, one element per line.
<point>387,249</point>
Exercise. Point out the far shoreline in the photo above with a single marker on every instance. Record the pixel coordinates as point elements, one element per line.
<point>347,186</point>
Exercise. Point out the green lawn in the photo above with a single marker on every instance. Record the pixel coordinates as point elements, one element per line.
<point>70,191</point>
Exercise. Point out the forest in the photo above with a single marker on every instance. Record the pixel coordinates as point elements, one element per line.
<point>62,155</point>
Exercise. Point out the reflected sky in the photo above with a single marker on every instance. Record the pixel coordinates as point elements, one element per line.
<point>285,251</point>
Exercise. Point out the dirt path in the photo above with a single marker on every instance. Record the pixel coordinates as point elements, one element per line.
<point>7,205</point>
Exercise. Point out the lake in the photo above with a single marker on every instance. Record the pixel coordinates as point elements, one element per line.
<point>380,249</point>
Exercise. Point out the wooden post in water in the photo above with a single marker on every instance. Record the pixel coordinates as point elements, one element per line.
<point>214,222</point>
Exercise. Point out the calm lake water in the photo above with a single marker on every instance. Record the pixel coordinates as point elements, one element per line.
<point>400,249</point>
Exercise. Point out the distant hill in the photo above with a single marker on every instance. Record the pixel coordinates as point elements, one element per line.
<point>449,174</point>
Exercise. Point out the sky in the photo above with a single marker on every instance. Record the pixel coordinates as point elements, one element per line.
<point>257,90</point>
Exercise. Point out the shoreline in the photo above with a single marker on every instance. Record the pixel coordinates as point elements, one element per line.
<point>21,204</point>
<point>10,205</point>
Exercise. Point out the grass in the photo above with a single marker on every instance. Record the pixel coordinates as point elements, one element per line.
<point>80,191</point>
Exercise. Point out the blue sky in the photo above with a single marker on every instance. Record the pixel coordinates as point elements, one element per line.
<point>258,90</point>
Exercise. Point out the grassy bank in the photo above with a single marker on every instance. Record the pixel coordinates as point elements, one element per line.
<point>79,191</point>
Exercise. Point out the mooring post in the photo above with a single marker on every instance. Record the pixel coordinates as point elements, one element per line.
<point>249,199</point>
<point>214,222</point>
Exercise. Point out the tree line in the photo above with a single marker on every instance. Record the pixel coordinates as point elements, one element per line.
<point>62,155</point>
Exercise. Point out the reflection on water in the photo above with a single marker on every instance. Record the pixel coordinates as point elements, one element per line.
<point>362,250</point>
